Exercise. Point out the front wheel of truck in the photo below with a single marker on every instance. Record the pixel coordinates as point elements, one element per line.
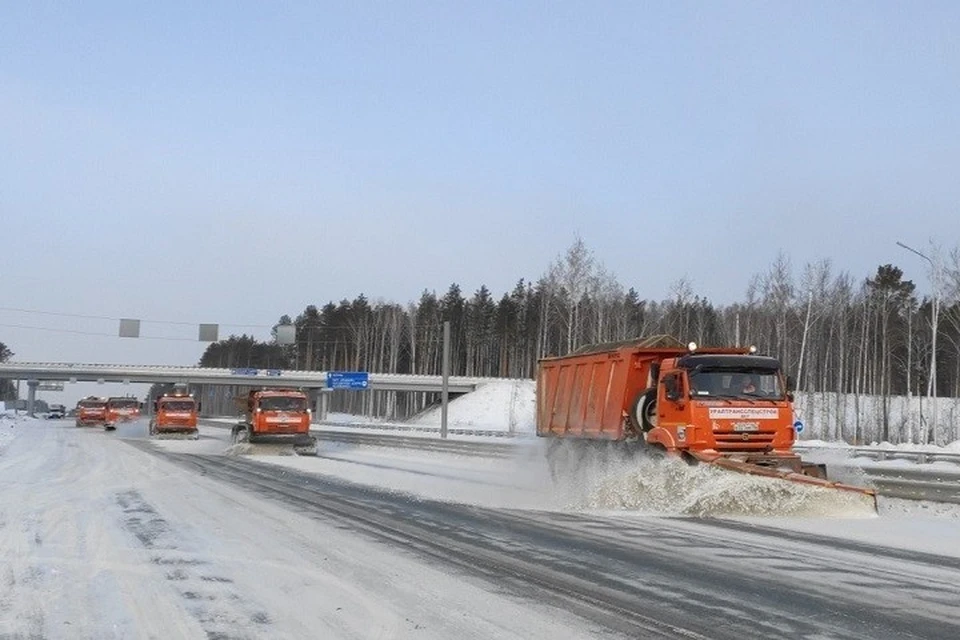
<point>643,411</point>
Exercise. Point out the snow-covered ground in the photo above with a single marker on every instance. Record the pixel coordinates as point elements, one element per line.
<point>11,425</point>
<point>631,497</point>
<point>852,464</point>
<point>626,489</point>
<point>524,483</point>
<point>99,539</point>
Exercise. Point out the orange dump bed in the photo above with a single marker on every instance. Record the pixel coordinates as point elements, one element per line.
<point>588,395</point>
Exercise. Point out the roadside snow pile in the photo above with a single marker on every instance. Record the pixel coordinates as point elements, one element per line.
<point>10,426</point>
<point>502,405</point>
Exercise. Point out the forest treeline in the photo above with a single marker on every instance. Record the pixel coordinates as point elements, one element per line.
<point>833,331</point>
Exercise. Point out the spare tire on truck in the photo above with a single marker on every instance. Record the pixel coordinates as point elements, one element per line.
<point>643,410</point>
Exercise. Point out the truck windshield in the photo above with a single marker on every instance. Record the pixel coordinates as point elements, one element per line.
<point>92,405</point>
<point>735,384</point>
<point>177,405</point>
<point>282,403</point>
<point>125,403</point>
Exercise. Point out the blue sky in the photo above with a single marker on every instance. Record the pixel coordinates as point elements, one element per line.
<point>229,162</point>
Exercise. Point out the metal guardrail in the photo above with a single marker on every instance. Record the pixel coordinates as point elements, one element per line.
<point>876,453</point>
<point>916,484</point>
<point>461,447</point>
<point>401,428</point>
<point>409,428</point>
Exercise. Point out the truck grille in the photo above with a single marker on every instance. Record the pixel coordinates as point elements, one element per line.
<point>751,441</point>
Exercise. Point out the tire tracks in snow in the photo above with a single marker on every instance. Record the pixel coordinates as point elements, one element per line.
<point>605,605</point>
<point>653,578</point>
<point>208,595</point>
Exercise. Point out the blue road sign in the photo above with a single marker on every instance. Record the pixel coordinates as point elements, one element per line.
<point>245,372</point>
<point>347,379</point>
<point>798,426</point>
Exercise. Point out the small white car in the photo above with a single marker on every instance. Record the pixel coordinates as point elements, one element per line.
<point>56,412</point>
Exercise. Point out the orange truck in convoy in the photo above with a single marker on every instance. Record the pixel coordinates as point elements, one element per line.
<point>277,417</point>
<point>122,409</point>
<point>175,416</point>
<point>724,406</point>
<point>91,411</point>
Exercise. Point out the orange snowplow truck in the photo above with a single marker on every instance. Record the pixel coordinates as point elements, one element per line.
<point>175,416</point>
<point>277,416</point>
<point>91,411</point>
<point>124,409</point>
<point>727,407</point>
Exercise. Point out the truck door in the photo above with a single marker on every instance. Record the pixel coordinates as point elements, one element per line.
<point>670,401</point>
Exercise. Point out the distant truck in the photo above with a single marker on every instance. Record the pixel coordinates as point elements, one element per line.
<point>175,416</point>
<point>122,409</point>
<point>725,406</point>
<point>91,411</point>
<point>277,417</point>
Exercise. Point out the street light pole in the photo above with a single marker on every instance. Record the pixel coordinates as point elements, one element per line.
<point>932,381</point>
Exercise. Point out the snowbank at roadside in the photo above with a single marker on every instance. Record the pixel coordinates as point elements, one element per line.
<point>10,426</point>
<point>501,405</point>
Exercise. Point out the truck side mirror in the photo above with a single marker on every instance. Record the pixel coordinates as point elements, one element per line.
<point>791,384</point>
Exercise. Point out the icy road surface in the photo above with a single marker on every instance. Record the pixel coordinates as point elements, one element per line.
<point>102,540</point>
<point>113,536</point>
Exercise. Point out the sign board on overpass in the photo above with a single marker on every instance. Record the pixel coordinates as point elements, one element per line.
<point>348,380</point>
<point>256,372</point>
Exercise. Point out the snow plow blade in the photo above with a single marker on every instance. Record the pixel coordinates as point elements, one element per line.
<point>302,446</point>
<point>815,476</point>
<point>275,443</point>
<point>176,435</point>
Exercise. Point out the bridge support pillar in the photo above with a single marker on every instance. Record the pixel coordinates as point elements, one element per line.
<point>320,408</point>
<point>31,395</point>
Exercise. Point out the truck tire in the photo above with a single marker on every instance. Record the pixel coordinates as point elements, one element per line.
<point>643,411</point>
<point>241,434</point>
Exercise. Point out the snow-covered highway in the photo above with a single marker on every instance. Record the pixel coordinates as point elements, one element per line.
<point>114,536</point>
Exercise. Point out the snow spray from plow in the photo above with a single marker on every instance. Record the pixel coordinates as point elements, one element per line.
<point>674,488</point>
